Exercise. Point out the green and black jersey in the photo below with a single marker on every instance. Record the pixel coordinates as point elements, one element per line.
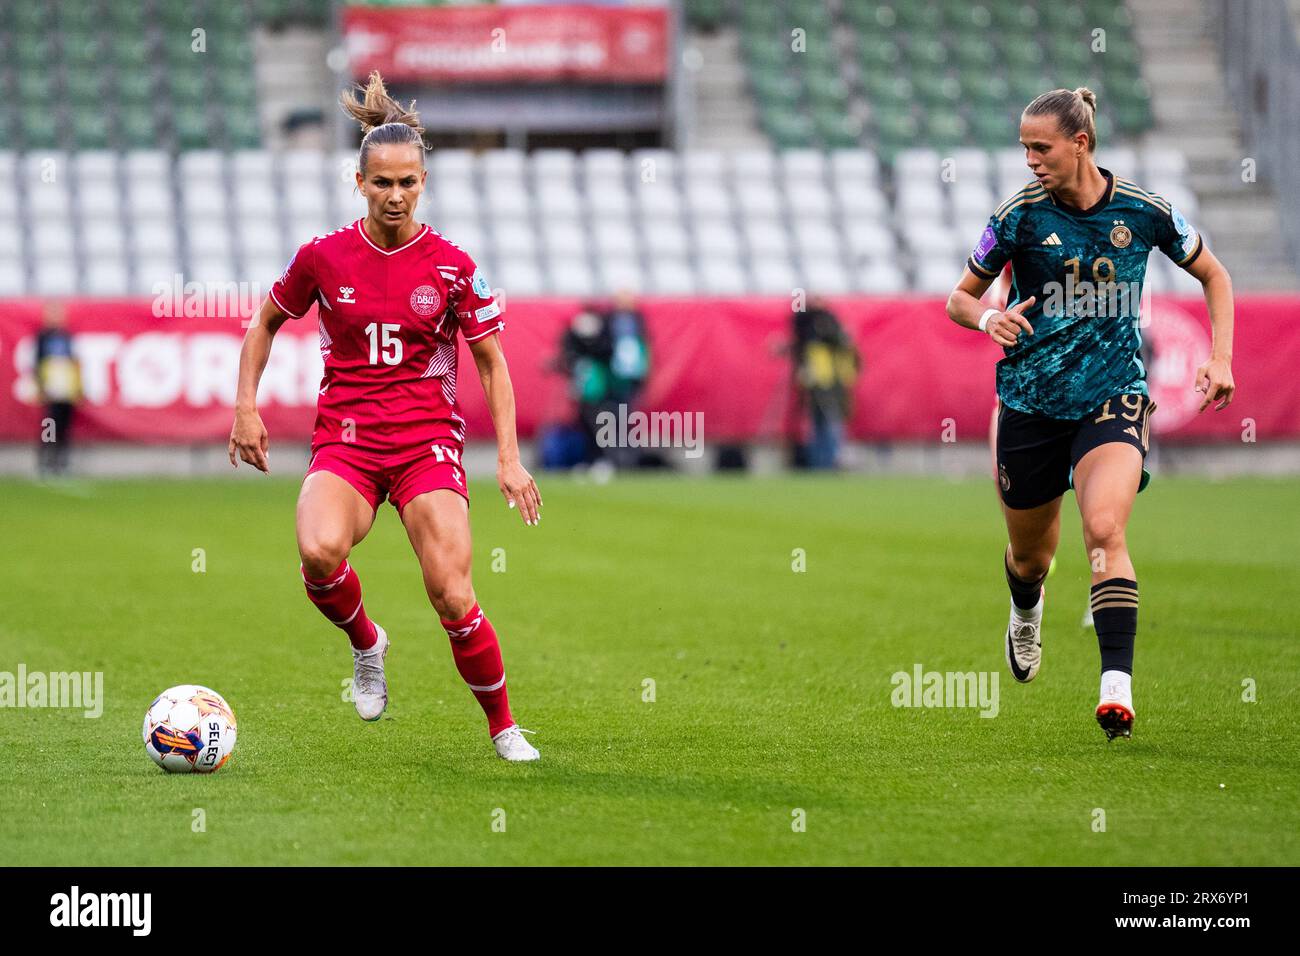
<point>1086,269</point>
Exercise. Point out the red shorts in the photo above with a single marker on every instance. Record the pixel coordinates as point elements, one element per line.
<point>398,476</point>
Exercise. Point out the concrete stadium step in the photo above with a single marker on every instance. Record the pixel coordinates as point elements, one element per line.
<point>724,115</point>
<point>1180,62</point>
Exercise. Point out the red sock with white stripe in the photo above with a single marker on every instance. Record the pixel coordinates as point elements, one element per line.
<point>478,658</point>
<point>338,596</point>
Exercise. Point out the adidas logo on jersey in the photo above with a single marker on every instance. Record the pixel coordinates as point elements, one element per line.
<point>1052,240</point>
<point>1132,430</point>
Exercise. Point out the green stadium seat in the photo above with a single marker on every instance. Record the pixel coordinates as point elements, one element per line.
<point>945,127</point>
<point>788,129</point>
<point>1013,17</point>
<point>40,128</point>
<point>974,53</point>
<point>134,127</point>
<point>135,87</point>
<point>91,129</point>
<point>191,129</point>
<point>836,129</point>
<point>705,14</point>
<point>130,52</point>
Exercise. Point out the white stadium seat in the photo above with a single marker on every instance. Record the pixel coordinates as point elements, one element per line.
<point>620,275</point>
<point>773,275</point>
<point>672,277</point>
<point>106,276</point>
<point>13,277</point>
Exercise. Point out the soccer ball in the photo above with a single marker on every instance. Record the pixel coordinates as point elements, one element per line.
<point>189,729</point>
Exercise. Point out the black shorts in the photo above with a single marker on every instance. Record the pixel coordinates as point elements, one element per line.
<point>1037,454</point>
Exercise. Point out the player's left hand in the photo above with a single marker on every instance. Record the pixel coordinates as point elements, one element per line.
<point>519,490</point>
<point>1214,378</point>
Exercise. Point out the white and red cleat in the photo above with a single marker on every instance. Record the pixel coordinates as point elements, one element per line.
<point>1115,711</point>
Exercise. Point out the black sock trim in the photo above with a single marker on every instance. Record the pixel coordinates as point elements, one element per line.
<point>1024,593</point>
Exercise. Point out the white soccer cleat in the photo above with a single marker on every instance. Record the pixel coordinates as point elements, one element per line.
<point>511,745</point>
<point>1115,710</point>
<point>369,688</point>
<point>1024,643</point>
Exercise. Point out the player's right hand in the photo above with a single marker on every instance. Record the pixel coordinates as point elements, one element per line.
<point>248,437</point>
<point>1004,327</point>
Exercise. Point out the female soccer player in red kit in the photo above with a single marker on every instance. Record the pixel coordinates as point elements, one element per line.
<point>392,295</point>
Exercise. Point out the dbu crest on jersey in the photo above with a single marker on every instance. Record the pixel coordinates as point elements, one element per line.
<point>425,300</point>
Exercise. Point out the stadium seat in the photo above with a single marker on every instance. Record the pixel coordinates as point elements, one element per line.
<point>825,277</point>
<point>106,275</point>
<point>559,200</point>
<point>620,275</point>
<point>716,239</point>
<point>773,275</point>
<point>566,240</point>
<point>766,239</point>
<point>721,275</point>
<point>55,276</point>
<point>808,200</point>
<point>882,277</point>
<point>614,238</point>
<point>13,277</point>
<point>521,277</point>
<point>937,274</point>
<point>453,198</point>
<point>703,165</point>
<point>664,238</point>
<point>570,276</point>
<point>99,238</point>
<point>870,238</point>
<point>12,240</point>
<point>658,201</point>
<point>554,165</point>
<point>451,164</point>
<point>759,200</point>
<point>708,200</point>
<point>670,276</point>
<point>497,164</point>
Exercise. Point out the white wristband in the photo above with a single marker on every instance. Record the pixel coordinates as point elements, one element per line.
<point>984,319</point>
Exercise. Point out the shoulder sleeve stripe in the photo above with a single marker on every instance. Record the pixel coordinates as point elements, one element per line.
<point>1137,192</point>
<point>1020,195</point>
<point>979,270</point>
<point>1028,200</point>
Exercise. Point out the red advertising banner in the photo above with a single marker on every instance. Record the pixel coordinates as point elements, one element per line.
<point>172,380</point>
<point>572,42</point>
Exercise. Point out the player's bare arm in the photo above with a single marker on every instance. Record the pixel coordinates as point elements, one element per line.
<point>966,309</point>
<point>248,437</point>
<point>1214,377</point>
<point>517,485</point>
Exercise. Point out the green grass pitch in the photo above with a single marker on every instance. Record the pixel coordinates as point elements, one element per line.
<point>772,687</point>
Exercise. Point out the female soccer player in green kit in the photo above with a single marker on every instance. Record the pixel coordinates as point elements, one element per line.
<point>1074,410</point>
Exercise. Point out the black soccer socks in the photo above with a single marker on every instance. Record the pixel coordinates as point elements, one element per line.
<point>1023,593</point>
<point>1115,616</point>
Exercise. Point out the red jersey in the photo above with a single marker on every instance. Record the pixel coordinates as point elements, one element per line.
<point>388,320</point>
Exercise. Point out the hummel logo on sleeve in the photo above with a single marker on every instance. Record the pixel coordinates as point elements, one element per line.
<point>345,294</point>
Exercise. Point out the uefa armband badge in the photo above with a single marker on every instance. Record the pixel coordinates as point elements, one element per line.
<point>987,241</point>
